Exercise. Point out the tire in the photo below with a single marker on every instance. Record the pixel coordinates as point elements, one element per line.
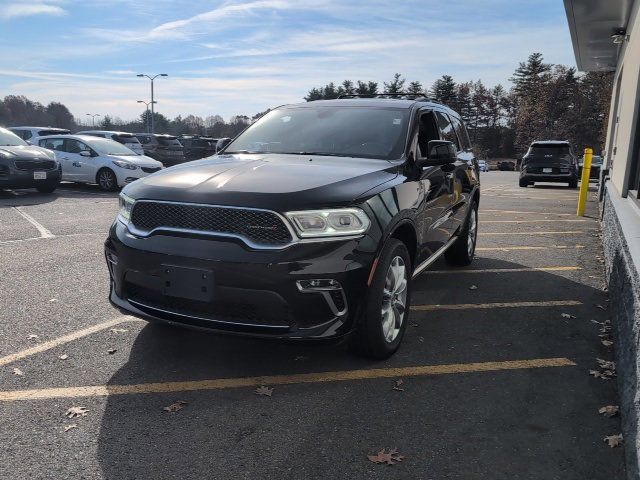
<point>107,180</point>
<point>573,183</point>
<point>371,338</point>
<point>47,188</point>
<point>523,183</point>
<point>463,249</point>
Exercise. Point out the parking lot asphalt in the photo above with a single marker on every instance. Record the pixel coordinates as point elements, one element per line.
<point>494,366</point>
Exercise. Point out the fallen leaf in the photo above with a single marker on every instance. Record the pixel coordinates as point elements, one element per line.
<point>566,315</point>
<point>119,330</point>
<point>53,300</point>
<point>609,410</point>
<point>300,357</point>
<point>390,458</point>
<point>64,356</point>
<point>605,328</point>
<point>606,343</point>
<point>613,440</point>
<point>421,339</point>
<point>174,407</point>
<point>598,374</point>
<point>398,383</point>
<point>473,287</point>
<point>609,373</point>
<point>17,371</point>
<point>76,412</point>
<point>606,364</point>
<point>69,427</point>
<point>262,390</point>
<point>32,337</point>
<point>606,322</point>
<point>111,351</point>
<point>601,307</point>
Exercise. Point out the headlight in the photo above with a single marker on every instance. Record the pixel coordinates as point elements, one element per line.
<point>329,223</point>
<point>5,154</point>
<point>126,205</point>
<point>126,165</point>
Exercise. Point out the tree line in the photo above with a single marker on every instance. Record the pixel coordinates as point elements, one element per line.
<point>545,101</point>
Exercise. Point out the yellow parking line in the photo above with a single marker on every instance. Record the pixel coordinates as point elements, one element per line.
<point>526,213</point>
<point>554,220</point>
<point>42,347</point>
<point>225,383</point>
<point>507,270</point>
<point>474,306</point>
<point>526,247</point>
<point>573,232</point>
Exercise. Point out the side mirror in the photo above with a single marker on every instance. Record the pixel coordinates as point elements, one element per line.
<point>439,152</point>
<point>85,153</point>
<point>222,143</point>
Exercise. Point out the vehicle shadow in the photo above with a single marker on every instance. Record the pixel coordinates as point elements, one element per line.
<point>233,433</point>
<point>66,190</point>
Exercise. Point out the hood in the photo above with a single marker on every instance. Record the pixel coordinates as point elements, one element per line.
<point>140,160</point>
<point>28,152</point>
<point>273,181</point>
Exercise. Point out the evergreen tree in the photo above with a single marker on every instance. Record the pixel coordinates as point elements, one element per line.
<point>415,88</point>
<point>529,74</point>
<point>444,90</point>
<point>396,85</point>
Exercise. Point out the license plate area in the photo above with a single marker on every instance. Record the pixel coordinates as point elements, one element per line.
<point>39,175</point>
<point>188,283</point>
<point>547,170</point>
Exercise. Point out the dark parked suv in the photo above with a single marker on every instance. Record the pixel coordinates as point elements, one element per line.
<point>164,148</point>
<point>26,166</point>
<point>549,161</point>
<point>312,223</point>
<point>196,147</point>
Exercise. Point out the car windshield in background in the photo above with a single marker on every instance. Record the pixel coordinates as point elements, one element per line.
<point>169,142</point>
<point>542,150</point>
<point>338,131</point>
<point>125,139</point>
<point>44,133</point>
<point>10,139</point>
<point>109,147</point>
<point>200,143</point>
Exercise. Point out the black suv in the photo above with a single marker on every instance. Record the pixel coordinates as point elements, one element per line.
<point>311,223</point>
<point>549,161</point>
<point>27,166</point>
<point>162,147</point>
<point>196,147</point>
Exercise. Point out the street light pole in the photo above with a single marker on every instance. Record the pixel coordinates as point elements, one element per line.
<point>152,101</point>
<point>147,104</point>
<point>93,118</point>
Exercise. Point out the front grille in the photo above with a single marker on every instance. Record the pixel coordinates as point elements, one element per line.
<point>150,169</point>
<point>256,226</point>
<point>230,312</point>
<point>338,299</point>
<point>31,165</point>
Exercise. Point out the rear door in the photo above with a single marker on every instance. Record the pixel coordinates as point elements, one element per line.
<point>57,146</point>
<point>466,173</point>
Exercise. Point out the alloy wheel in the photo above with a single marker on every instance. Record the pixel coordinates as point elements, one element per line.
<point>394,299</point>
<point>106,180</point>
<point>473,232</point>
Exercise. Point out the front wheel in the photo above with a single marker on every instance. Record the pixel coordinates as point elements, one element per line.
<point>47,188</point>
<point>523,183</point>
<point>464,248</point>
<point>107,180</point>
<point>380,330</point>
<point>573,183</point>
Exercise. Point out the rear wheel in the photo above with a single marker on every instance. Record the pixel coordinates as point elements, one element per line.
<point>464,248</point>
<point>380,330</point>
<point>523,183</point>
<point>107,180</point>
<point>573,183</point>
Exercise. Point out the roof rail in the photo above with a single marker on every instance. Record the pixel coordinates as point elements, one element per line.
<point>409,96</point>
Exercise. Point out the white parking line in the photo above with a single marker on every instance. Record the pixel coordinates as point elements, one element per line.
<point>31,239</point>
<point>44,233</point>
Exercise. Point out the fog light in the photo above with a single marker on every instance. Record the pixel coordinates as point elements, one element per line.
<point>318,284</point>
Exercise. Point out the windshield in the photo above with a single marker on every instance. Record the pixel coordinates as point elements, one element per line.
<point>106,146</point>
<point>54,131</point>
<point>339,131</point>
<point>8,138</point>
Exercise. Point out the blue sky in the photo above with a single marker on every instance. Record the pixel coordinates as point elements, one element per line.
<point>241,57</point>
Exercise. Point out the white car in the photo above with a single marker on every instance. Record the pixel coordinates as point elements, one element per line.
<point>29,133</point>
<point>129,140</point>
<point>87,159</point>
<point>483,165</point>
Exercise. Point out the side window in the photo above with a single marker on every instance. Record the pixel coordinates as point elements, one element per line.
<point>53,144</point>
<point>26,134</point>
<point>463,136</point>
<point>427,130</point>
<point>446,129</point>
<point>75,146</point>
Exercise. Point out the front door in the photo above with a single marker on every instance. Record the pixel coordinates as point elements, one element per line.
<point>83,167</point>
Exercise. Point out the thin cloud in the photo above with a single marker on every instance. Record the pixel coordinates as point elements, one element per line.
<point>15,10</point>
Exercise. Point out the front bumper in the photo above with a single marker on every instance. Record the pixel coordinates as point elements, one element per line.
<point>11,177</point>
<point>255,292</point>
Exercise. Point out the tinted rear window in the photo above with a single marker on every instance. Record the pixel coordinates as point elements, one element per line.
<point>44,133</point>
<point>125,139</point>
<point>558,149</point>
<point>169,142</point>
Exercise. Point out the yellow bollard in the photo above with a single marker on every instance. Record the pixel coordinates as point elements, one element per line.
<point>584,181</point>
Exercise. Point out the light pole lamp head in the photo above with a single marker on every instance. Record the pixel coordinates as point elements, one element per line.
<point>164,75</point>
<point>140,75</point>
